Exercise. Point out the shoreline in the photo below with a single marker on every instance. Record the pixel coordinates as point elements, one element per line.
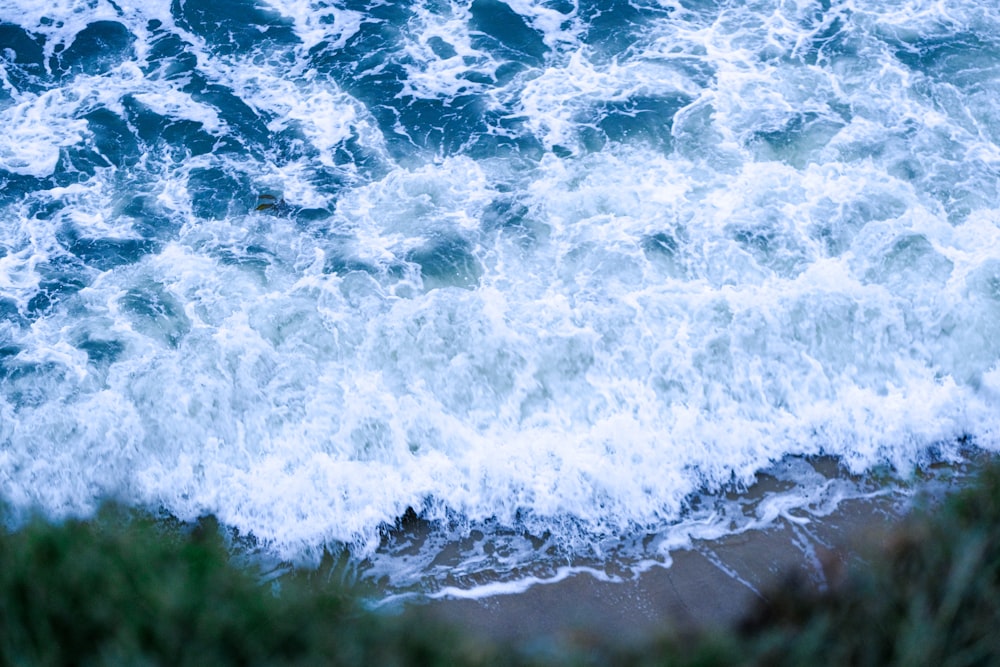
<point>709,586</point>
<point>927,594</point>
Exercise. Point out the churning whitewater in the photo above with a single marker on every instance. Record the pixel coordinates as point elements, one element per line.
<point>537,272</point>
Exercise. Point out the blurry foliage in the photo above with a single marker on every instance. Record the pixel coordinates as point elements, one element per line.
<point>931,596</point>
<point>123,589</point>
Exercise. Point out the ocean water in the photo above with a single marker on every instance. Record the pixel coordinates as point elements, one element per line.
<point>483,291</point>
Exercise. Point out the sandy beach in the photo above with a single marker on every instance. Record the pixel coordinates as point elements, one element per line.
<point>709,585</point>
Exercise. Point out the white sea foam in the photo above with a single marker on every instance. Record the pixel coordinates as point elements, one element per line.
<point>319,22</point>
<point>179,106</point>
<point>35,133</point>
<point>559,29</point>
<point>803,260</point>
<point>443,73</point>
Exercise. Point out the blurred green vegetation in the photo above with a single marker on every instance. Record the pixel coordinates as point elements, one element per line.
<point>124,589</point>
<point>930,596</point>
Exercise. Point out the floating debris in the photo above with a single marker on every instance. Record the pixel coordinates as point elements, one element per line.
<point>272,204</point>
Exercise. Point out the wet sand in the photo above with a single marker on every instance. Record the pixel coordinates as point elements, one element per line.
<point>710,585</point>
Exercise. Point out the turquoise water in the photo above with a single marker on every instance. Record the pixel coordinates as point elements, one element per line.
<point>542,276</point>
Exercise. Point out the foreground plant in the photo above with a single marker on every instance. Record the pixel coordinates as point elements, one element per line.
<point>127,590</point>
<point>121,590</point>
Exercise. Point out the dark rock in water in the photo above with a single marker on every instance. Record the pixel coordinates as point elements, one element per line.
<point>273,205</point>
